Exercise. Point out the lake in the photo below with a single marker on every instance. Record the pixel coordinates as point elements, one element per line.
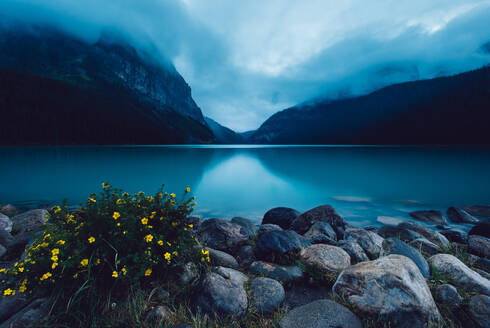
<point>365,184</point>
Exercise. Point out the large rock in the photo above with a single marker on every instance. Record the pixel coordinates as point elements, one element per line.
<point>371,242</point>
<point>448,295</point>
<point>301,294</point>
<point>481,212</point>
<point>281,216</point>
<point>326,258</point>
<point>220,258</point>
<point>285,274</point>
<point>12,304</point>
<point>482,263</point>
<point>189,273</point>
<point>27,225</point>
<point>479,245</point>
<point>428,216</point>
<point>245,255</point>
<point>391,289</point>
<point>5,223</point>
<point>268,227</point>
<point>7,240</point>
<point>219,295</point>
<point>29,316</point>
<point>321,233</point>
<point>479,309</point>
<point>8,210</point>
<point>481,229</point>
<point>266,294</point>
<point>428,233</point>
<point>354,250</point>
<point>396,246</point>
<point>324,213</point>
<point>425,246</point>
<point>277,246</point>
<point>454,236</point>
<point>320,314</point>
<point>222,235</point>
<point>460,275</point>
<point>234,275</point>
<point>458,215</point>
<point>250,228</point>
<point>397,232</point>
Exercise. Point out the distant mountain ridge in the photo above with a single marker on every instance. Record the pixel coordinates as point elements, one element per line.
<point>446,110</point>
<point>58,89</point>
<point>223,134</point>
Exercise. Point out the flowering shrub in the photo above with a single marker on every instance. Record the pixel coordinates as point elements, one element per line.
<point>114,239</point>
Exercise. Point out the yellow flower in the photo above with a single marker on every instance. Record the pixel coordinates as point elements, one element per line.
<point>54,258</point>
<point>160,242</point>
<point>105,185</point>
<point>57,209</point>
<point>167,256</point>
<point>148,238</point>
<point>44,245</point>
<point>119,201</point>
<point>97,262</point>
<point>84,262</point>
<point>22,288</point>
<point>144,221</point>
<point>188,189</point>
<point>92,200</point>
<point>191,225</point>
<point>60,242</point>
<point>114,274</point>
<point>45,276</point>
<point>116,215</point>
<point>124,232</point>
<point>175,253</point>
<point>21,269</point>
<point>172,195</point>
<point>7,292</point>
<point>55,251</point>
<point>148,272</point>
<point>2,270</point>
<point>75,276</point>
<point>47,236</point>
<point>54,265</point>
<point>123,270</point>
<point>118,224</point>
<point>91,240</point>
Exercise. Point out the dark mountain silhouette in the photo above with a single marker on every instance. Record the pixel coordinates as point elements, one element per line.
<point>223,134</point>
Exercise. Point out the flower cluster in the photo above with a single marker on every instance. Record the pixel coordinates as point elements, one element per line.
<point>114,238</point>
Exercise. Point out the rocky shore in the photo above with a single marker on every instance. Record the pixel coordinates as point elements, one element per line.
<point>314,269</point>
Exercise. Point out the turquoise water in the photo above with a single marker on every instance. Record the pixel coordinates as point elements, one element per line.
<point>362,183</point>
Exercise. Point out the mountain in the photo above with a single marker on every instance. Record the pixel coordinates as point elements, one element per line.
<point>58,89</point>
<point>223,134</point>
<point>446,110</point>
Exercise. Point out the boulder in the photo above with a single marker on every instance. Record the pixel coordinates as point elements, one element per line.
<point>481,229</point>
<point>458,215</point>
<point>479,245</point>
<point>220,258</point>
<point>355,251</point>
<point>159,315</point>
<point>219,295</point>
<point>397,232</point>
<point>29,316</point>
<point>250,228</point>
<point>245,255</point>
<point>320,314</point>
<point>425,246</point>
<point>234,275</point>
<point>371,242</point>
<point>428,233</point>
<point>285,274</point>
<point>27,225</point>
<point>396,246</point>
<point>222,235</point>
<point>7,240</point>
<point>276,246</point>
<point>482,263</point>
<point>268,227</point>
<point>321,233</point>
<point>324,213</point>
<point>9,210</point>
<point>326,258</point>
<point>428,216</point>
<point>266,294</point>
<point>454,236</point>
<point>281,216</point>
<point>189,273</point>
<point>448,295</point>
<point>479,309</point>
<point>482,273</point>
<point>301,294</point>
<point>481,212</point>
<point>12,304</point>
<point>391,289</point>
<point>5,223</point>
<point>460,275</point>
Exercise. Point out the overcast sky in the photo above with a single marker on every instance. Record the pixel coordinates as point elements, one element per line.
<point>245,60</point>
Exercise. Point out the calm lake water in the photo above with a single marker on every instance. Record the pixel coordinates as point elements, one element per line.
<point>362,183</point>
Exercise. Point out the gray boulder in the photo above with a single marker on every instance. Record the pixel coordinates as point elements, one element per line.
<point>266,294</point>
<point>355,251</point>
<point>235,276</point>
<point>250,228</point>
<point>460,275</point>
<point>482,263</point>
<point>301,294</point>
<point>8,210</point>
<point>220,258</point>
<point>7,240</point>
<point>428,216</point>
<point>480,229</point>
<point>324,213</point>
<point>281,216</point>
<point>321,233</point>
<point>479,309</point>
<point>390,288</point>
<point>479,245</point>
<point>428,233</point>
<point>29,316</point>
<point>245,255</point>
<point>458,215</point>
<point>326,258</point>
<point>400,233</point>
<point>396,246</point>
<point>285,274</point>
<point>189,273</point>
<point>454,236</point>
<point>12,304</point>
<point>219,295</point>
<point>481,212</point>
<point>320,314</point>
<point>268,227</point>
<point>276,246</point>
<point>26,225</point>
<point>5,223</point>
<point>371,242</point>
<point>222,235</point>
<point>448,295</point>
<point>425,246</point>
